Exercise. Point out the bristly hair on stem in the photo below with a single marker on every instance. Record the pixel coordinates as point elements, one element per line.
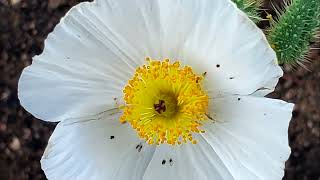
<point>251,8</point>
<point>291,33</point>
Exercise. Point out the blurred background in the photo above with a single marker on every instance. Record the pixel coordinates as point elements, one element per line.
<point>24,25</point>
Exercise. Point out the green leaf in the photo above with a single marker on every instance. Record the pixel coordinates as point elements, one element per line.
<point>291,34</point>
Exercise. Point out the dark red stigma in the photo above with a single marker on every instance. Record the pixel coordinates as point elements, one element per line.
<point>160,107</point>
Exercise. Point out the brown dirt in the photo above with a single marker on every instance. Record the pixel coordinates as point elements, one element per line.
<point>24,24</point>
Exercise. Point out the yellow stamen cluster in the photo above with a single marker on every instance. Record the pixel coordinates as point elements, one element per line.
<point>165,102</point>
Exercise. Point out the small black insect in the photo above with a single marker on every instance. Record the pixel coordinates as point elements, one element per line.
<point>139,147</point>
<point>218,65</point>
<point>204,74</point>
<point>170,162</point>
<point>163,162</point>
<point>111,137</point>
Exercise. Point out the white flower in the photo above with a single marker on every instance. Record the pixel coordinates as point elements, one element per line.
<point>81,80</point>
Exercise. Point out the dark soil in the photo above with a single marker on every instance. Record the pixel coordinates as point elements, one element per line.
<point>24,24</point>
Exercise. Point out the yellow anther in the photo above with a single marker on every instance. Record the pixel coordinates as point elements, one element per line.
<point>269,17</point>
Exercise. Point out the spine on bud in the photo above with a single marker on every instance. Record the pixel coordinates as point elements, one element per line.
<point>250,7</point>
<point>291,34</point>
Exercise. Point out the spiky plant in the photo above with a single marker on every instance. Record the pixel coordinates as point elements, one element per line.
<point>290,35</point>
<point>250,7</point>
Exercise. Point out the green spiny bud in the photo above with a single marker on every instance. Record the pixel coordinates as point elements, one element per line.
<point>250,7</point>
<point>291,34</point>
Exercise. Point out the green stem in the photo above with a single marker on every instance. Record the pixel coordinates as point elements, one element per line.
<point>291,34</point>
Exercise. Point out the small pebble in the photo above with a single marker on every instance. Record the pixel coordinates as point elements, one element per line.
<point>15,144</point>
<point>14,2</point>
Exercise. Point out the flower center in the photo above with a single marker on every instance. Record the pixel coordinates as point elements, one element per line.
<point>166,105</point>
<point>165,102</point>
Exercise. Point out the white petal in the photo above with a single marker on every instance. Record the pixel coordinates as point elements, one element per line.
<point>89,58</point>
<point>206,34</point>
<point>250,136</point>
<point>187,162</point>
<point>85,150</point>
<point>94,50</point>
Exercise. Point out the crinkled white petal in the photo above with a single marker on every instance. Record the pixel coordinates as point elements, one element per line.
<point>217,38</point>
<point>94,50</point>
<point>187,162</point>
<point>89,58</point>
<point>250,136</point>
<point>85,150</point>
